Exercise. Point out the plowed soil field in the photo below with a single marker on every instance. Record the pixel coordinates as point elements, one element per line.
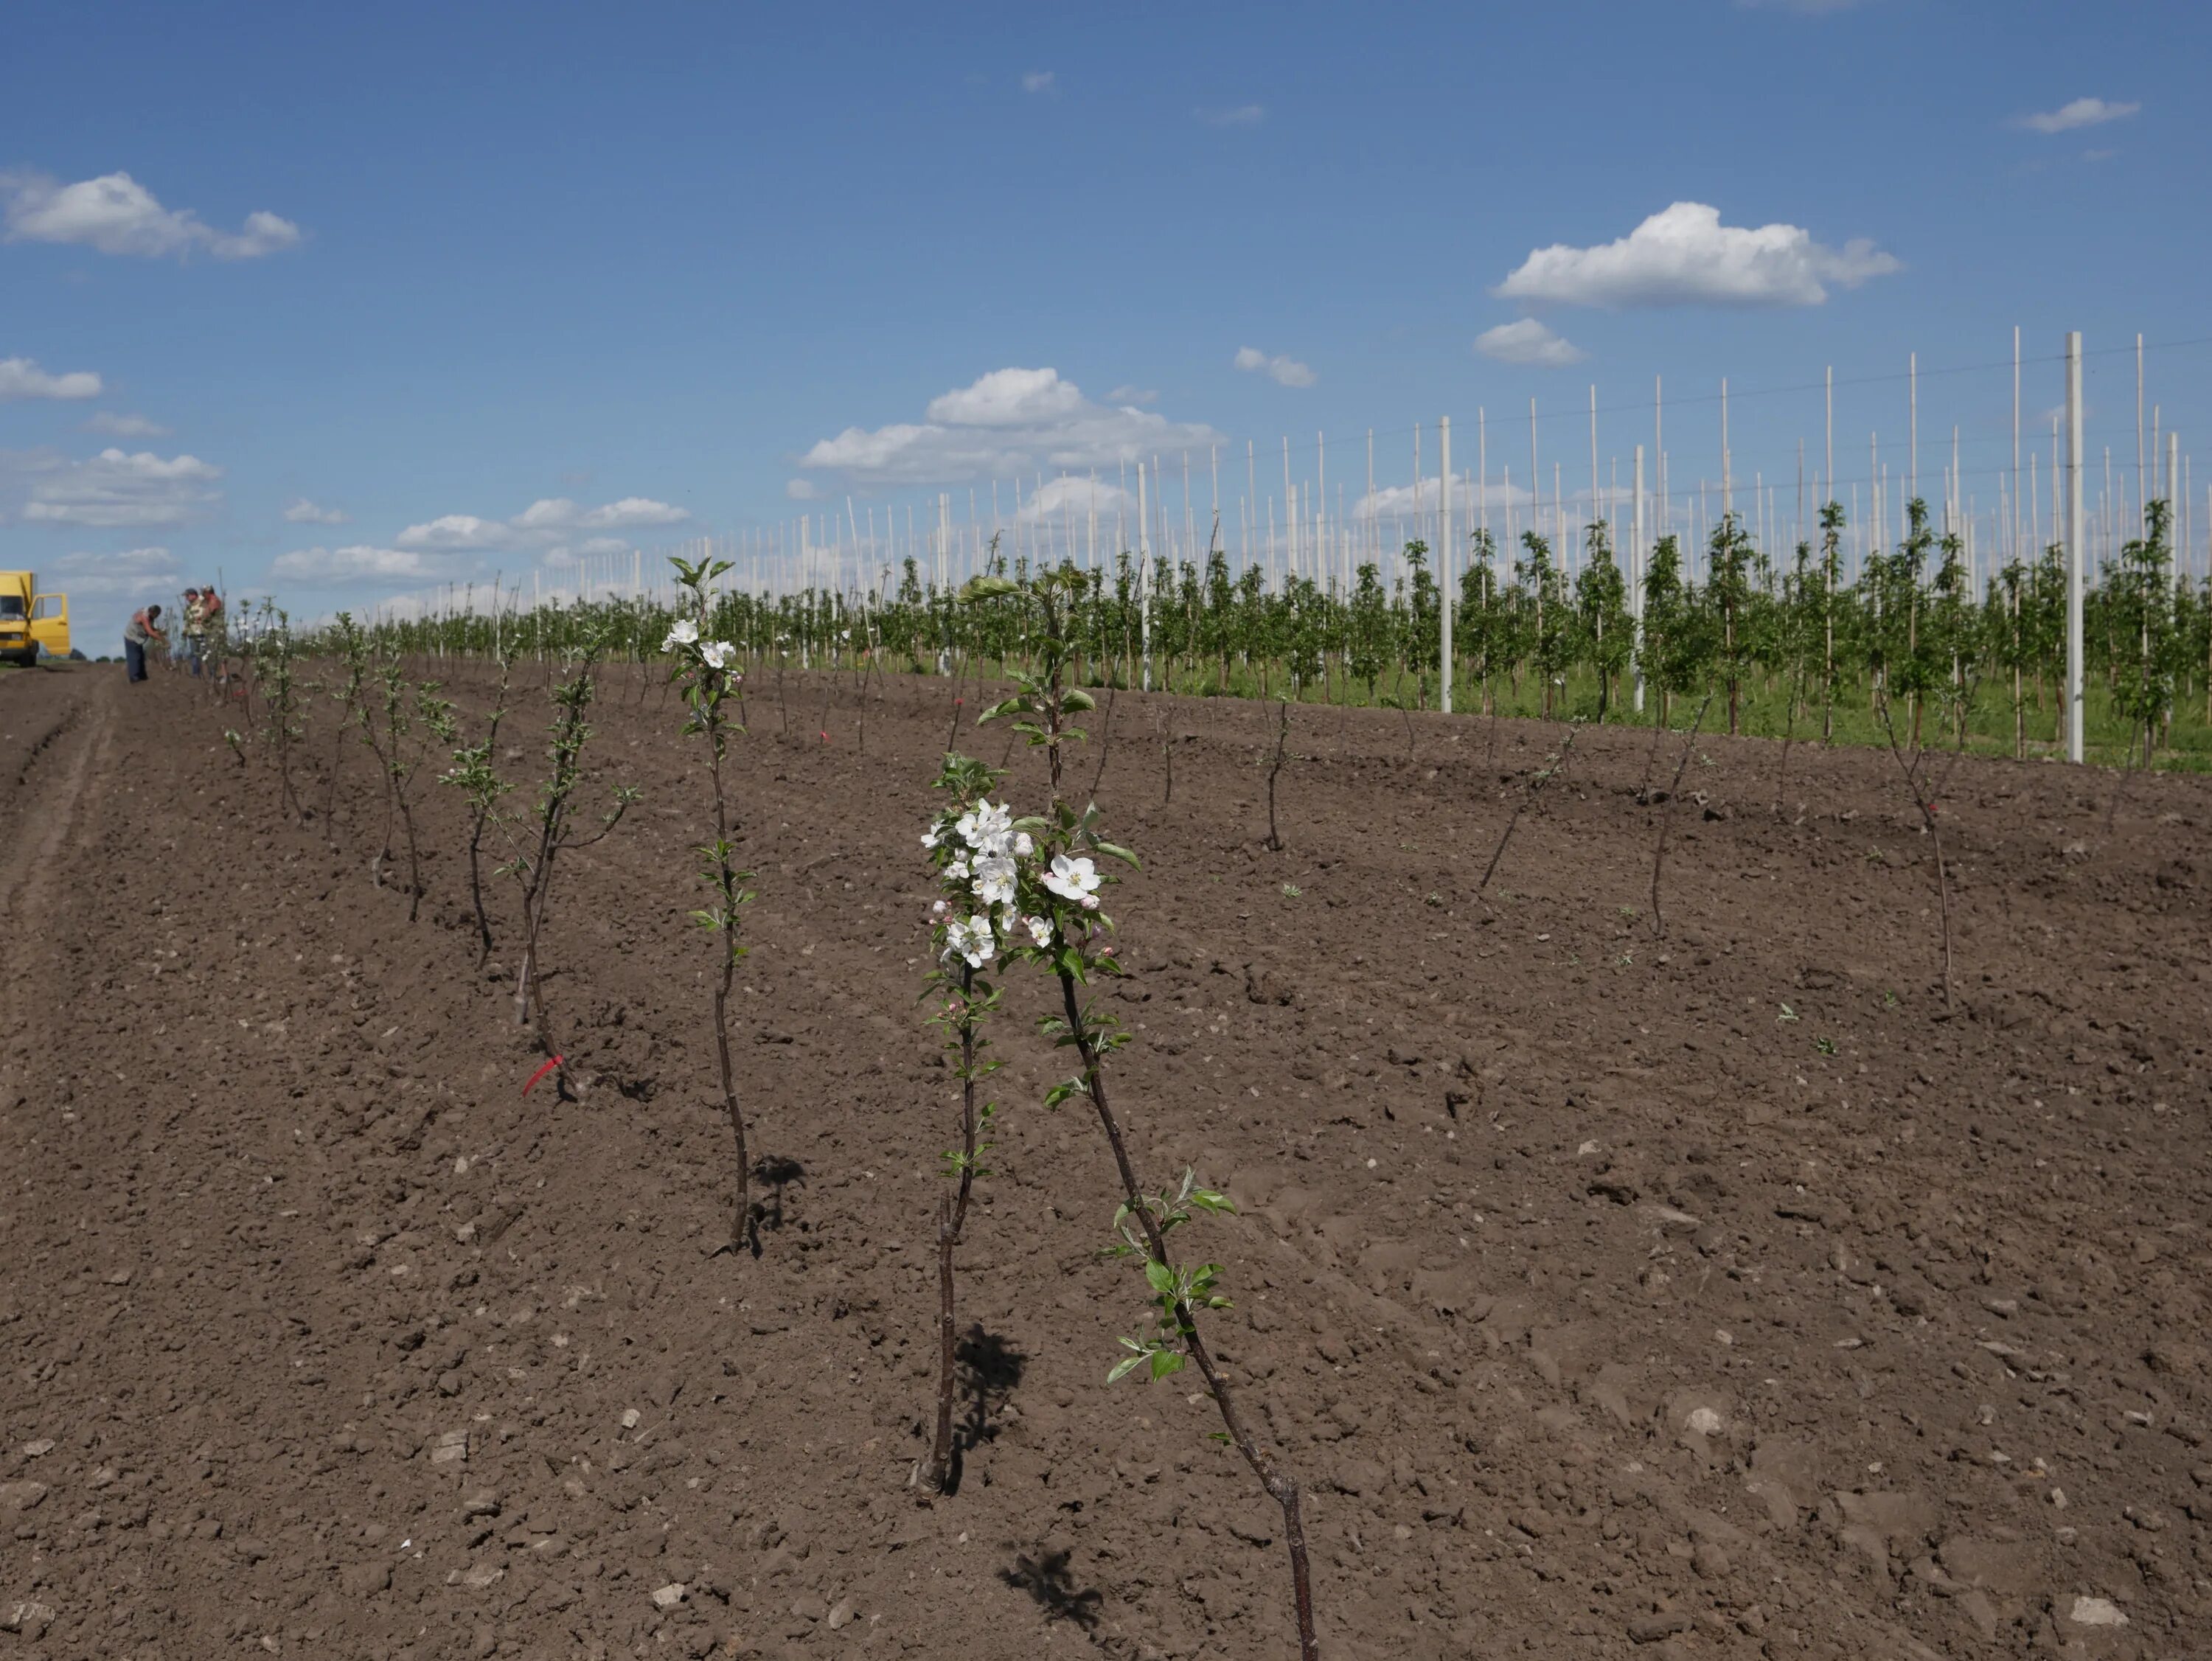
<point>1721,1293</point>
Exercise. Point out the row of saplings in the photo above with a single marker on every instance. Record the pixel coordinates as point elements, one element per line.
<point>1016,895</point>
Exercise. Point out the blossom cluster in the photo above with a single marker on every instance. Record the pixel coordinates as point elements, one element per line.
<point>684,634</point>
<point>979,854</point>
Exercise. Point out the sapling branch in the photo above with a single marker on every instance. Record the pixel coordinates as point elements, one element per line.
<point>1667,815</point>
<point>704,670</point>
<point>1065,933</point>
<point>1554,765</point>
<point>1910,771</point>
<point>552,825</point>
<point>477,780</point>
<point>973,845</point>
<point>1275,772</point>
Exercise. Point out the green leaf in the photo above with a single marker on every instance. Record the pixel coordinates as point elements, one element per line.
<point>1162,1277</point>
<point>1165,1362</point>
<point>1126,1366</point>
<point>1114,851</point>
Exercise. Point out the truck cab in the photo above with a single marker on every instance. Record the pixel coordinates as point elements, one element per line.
<point>30,620</point>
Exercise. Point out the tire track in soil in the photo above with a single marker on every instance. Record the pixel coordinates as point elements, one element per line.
<point>43,810</point>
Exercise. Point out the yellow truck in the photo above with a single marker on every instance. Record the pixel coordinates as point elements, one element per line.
<point>30,619</point>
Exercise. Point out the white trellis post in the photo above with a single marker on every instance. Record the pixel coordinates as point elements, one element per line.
<point>1444,560</point>
<point>1143,576</point>
<point>2075,553</point>
<point>1636,578</point>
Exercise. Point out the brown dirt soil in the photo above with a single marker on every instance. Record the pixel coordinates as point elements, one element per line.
<point>1606,1304</point>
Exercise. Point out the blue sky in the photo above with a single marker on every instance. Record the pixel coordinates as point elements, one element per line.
<point>423,267</point>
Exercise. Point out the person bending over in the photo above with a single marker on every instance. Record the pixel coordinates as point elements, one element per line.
<point>141,632</point>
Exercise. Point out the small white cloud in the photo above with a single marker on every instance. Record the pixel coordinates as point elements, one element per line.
<point>633,511</point>
<point>800,490</point>
<point>2098,156</point>
<point>1528,342</point>
<point>1006,423</point>
<point>117,214</point>
<point>1683,256</point>
<point>543,524</point>
<point>300,510</point>
<point>1073,497</point>
<point>113,424</point>
<point>114,488</point>
<point>154,571</point>
<point>453,533</point>
<point>1008,397</point>
<point>1138,394</point>
<point>2081,113</point>
<point>1040,81</point>
<point>1405,500</point>
<point>20,378</point>
<point>347,565</point>
<point>1282,370</point>
<point>1241,115</point>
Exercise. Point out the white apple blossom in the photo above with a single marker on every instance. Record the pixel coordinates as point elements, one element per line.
<point>1040,930</point>
<point>1073,879</point>
<point>994,880</point>
<point>1023,848</point>
<point>986,827</point>
<point>719,654</point>
<point>957,870</point>
<point>682,632</point>
<point>971,940</point>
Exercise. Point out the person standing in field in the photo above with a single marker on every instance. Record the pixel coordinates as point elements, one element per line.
<point>213,630</point>
<point>195,630</point>
<point>141,632</point>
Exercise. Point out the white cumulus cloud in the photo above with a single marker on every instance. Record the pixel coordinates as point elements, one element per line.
<point>20,378</point>
<point>152,570</point>
<point>1282,369</point>
<point>1073,497</point>
<point>1008,397</point>
<point>1528,342</point>
<point>1395,501</point>
<point>632,512</point>
<point>543,525</point>
<point>117,214</point>
<point>1683,256</point>
<point>360,563</point>
<point>1039,81</point>
<point>800,490</point>
<point>116,489</point>
<point>115,424</point>
<point>2081,113</point>
<point>300,510</point>
<point>1238,115</point>
<point>1006,423</point>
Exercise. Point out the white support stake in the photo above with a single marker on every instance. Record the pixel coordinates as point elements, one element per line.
<point>2076,553</point>
<point>1635,580</point>
<point>1444,563</point>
